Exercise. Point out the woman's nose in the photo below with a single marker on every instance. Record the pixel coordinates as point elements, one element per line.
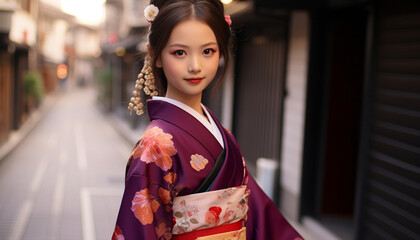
<point>194,65</point>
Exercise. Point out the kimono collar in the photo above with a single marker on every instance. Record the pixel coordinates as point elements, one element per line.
<point>210,124</point>
<point>170,113</point>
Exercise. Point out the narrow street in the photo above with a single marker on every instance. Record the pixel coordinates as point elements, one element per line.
<point>66,179</point>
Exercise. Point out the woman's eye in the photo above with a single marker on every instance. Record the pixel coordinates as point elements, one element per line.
<point>209,51</point>
<point>178,52</point>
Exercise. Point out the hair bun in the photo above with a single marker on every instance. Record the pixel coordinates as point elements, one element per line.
<point>160,3</point>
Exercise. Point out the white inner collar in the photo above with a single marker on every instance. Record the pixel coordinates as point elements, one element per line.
<point>209,124</point>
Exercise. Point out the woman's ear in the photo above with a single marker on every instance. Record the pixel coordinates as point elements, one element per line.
<point>159,63</point>
<point>150,52</point>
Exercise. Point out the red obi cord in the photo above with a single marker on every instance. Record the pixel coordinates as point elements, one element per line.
<point>208,231</point>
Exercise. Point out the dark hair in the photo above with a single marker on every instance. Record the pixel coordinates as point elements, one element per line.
<point>172,12</point>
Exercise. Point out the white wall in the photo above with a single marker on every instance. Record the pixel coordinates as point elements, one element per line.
<point>87,43</point>
<point>294,113</point>
<point>23,28</point>
<point>53,45</point>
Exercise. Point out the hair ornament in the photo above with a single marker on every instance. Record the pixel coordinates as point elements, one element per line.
<point>145,81</point>
<point>228,20</point>
<point>150,13</point>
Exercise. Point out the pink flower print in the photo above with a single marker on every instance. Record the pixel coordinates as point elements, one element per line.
<point>118,235</point>
<point>160,229</point>
<point>189,213</point>
<point>143,207</point>
<point>170,177</point>
<point>164,195</point>
<point>212,216</point>
<point>225,194</point>
<point>156,146</point>
<point>229,215</point>
<point>198,162</point>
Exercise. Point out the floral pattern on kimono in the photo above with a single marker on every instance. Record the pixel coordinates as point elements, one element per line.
<point>153,202</point>
<point>171,159</point>
<point>210,209</point>
<point>117,235</point>
<point>155,146</point>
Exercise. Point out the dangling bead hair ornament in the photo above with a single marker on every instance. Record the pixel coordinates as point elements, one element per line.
<point>146,76</point>
<point>146,81</point>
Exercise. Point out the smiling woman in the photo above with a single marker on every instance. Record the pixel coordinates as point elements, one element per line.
<point>189,61</point>
<point>199,188</point>
<point>86,11</point>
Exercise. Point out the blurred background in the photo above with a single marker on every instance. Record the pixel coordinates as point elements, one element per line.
<point>323,97</point>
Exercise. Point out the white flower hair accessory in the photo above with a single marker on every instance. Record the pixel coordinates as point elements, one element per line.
<point>150,12</point>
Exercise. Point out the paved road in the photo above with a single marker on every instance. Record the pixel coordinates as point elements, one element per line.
<point>66,179</point>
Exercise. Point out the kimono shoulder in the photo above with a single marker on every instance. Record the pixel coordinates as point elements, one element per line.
<point>196,147</point>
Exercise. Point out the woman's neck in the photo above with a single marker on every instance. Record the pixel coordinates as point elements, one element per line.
<point>193,101</point>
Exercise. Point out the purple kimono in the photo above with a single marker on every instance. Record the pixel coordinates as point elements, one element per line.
<point>173,157</point>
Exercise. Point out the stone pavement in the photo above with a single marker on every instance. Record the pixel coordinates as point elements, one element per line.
<point>65,179</point>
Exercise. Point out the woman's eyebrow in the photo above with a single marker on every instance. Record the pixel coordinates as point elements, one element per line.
<point>208,44</point>
<point>178,45</point>
<point>185,46</point>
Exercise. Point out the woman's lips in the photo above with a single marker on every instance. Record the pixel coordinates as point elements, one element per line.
<point>194,80</point>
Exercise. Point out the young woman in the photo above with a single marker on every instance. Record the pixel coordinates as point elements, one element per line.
<point>186,177</point>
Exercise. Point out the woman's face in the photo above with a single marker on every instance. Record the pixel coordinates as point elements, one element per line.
<point>189,60</point>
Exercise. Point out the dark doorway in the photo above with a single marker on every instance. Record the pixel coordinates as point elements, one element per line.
<point>344,90</point>
<point>20,111</point>
<point>5,96</point>
<point>346,74</point>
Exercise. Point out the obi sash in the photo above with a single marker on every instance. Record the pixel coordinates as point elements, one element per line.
<point>223,210</point>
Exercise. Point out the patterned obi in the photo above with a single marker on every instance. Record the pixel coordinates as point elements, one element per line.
<point>211,215</point>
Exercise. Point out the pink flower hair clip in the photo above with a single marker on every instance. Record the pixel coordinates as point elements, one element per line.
<point>228,20</point>
<point>150,13</point>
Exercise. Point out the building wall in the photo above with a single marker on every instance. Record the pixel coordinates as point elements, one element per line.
<point>6,89</point>
<point>390,169</point>
<point>260,66</point>
<point>294,113</point>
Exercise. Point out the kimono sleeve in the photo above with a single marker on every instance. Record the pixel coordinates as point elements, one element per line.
<point>146,208</point>
<point>264,219</point>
